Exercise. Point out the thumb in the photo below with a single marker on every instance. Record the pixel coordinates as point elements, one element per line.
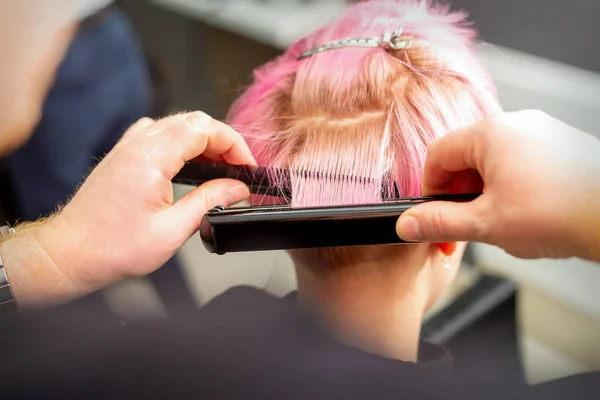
<point>190,209</point>
<point>439,222</point>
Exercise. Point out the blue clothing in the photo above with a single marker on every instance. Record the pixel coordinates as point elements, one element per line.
<point>102,87</point>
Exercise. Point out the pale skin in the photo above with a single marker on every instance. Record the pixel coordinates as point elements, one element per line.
<point>123,222</point>
<point>34,37</point>
<point>377,303</point>
<point>542,188</point>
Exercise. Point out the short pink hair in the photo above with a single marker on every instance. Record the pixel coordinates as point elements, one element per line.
<point>369,113</point>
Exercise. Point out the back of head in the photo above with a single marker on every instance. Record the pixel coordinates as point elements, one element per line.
<point>368,113</point>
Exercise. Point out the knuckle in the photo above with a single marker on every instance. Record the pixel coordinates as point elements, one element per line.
<point>438,224</point>
<point>480,228</point>
<point>490,126</point>
<point>508,121</point>
<point>199,119</point>
<point>532,116</point>
<point>179,125</point>
<point>499,120</point>
<point>178,128</point>
<point>207,200</point>
<point>140,125</point>
<point>514,124</point>
<point>482,223</point>
<point>193,123</point>
<point>144,120</point>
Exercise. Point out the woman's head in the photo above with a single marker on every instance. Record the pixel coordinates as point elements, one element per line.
<point>365,112</point>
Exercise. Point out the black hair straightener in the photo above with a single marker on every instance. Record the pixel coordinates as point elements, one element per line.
<point>281,227</point>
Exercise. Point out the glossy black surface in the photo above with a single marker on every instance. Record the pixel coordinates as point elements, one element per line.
<point>283,228</point>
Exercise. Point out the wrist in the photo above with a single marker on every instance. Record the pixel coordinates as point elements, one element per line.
<point>68,255</point>
<point>35,279</point>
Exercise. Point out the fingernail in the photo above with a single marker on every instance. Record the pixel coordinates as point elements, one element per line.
<point>409,229</point>
<point>238,193</point>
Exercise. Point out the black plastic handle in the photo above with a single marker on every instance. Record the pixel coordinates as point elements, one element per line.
<point>256,178</point>
<point>228,230</point>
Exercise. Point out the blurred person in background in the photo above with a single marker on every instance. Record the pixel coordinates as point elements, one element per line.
<point>101,86</point>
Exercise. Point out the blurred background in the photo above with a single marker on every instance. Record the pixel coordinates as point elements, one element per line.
<point>536,319</point>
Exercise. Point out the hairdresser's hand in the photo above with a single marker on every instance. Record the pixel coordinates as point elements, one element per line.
<point>542,188</point>
<point>123,221</point>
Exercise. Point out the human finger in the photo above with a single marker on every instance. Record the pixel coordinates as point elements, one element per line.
<point>439,222</point>
<point>189,210</point>
<point>191,135</point>
<point>458,151</point>
<point>138,127</point>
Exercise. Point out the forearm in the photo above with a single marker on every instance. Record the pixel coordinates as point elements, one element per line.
<point>34,277</point>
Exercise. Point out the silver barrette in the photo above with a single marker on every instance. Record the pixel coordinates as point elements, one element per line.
<point>393,40</point>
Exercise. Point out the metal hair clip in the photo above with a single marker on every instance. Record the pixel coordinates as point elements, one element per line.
<point>390,40</point>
